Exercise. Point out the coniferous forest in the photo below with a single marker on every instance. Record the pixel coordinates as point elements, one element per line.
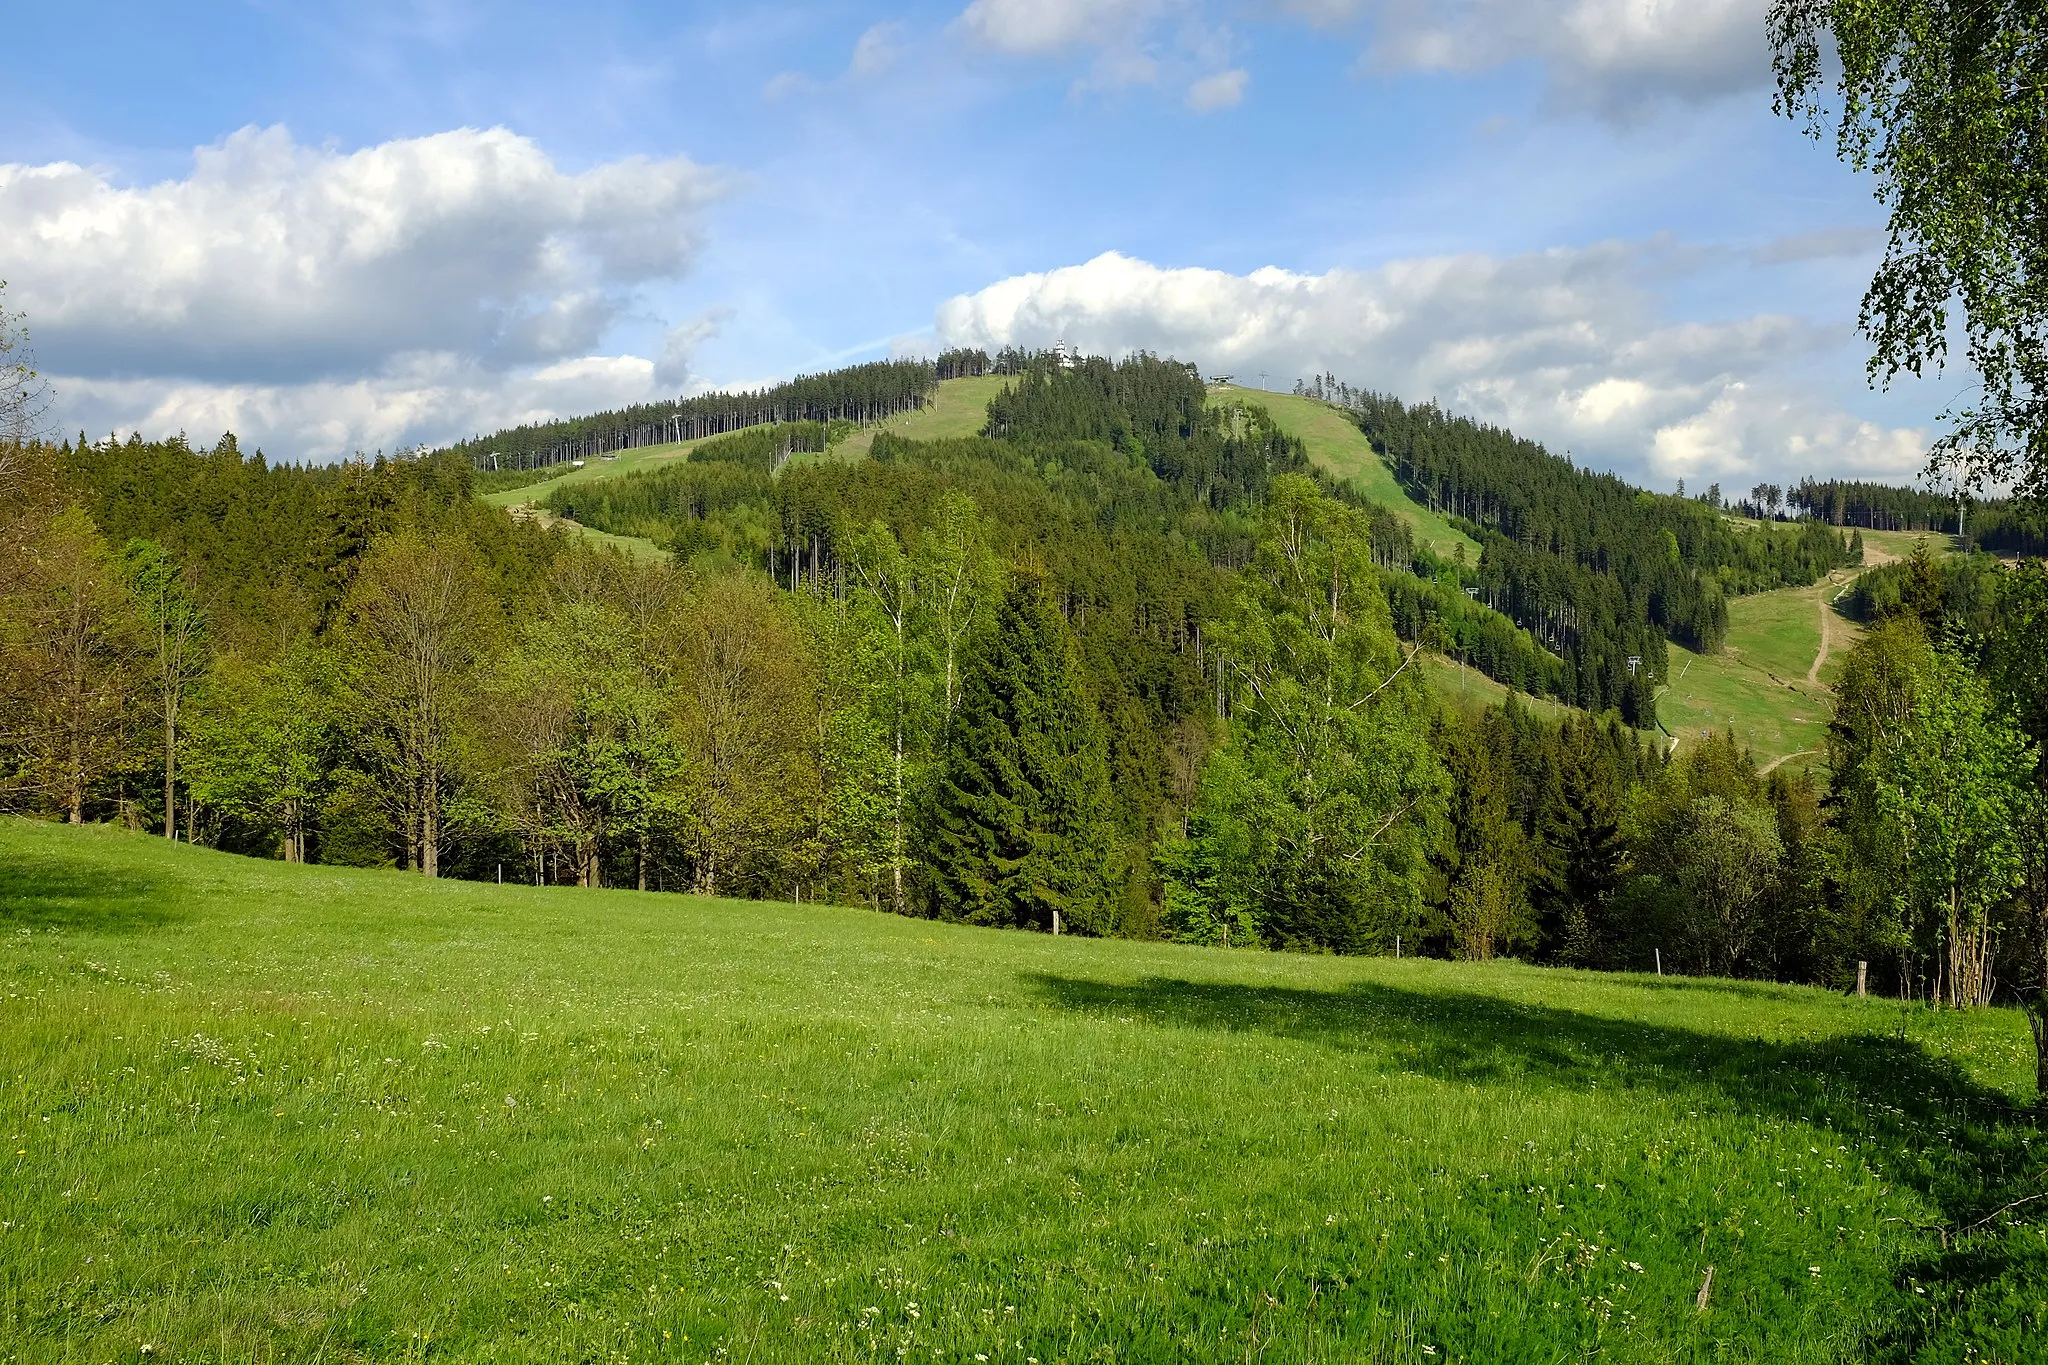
<point>1125,658</point>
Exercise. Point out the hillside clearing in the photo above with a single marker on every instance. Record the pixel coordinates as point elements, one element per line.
<point>602,467</point>
<point>1336,445</point>
<point>260,1112</point>
<point>1465,689</point>
<point>959,408</point>
<point>1773,681</point>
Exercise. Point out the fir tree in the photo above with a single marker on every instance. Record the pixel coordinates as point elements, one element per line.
<point>1017,823</point>
<point>1587,864</point>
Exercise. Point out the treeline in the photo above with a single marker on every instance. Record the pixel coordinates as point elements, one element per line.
<point>2001,525</point>
<point>860,394</point>
<point>966,363</point>
<point>1600,573</point>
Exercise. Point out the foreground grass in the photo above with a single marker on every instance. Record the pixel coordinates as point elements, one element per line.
<point>255,1112</point>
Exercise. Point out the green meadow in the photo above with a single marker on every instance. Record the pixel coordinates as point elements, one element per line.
<point>1464,688</point>
<point>959,407</point>
<point>258,1112</point>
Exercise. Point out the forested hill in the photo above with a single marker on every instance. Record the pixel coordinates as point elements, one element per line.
<point>863,393</point>
<point>1599,570</point>
<point>1107,474</point>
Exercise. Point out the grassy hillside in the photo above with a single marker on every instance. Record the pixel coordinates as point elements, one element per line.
<point>1337,445</point>
<point>620,465</point>
<point>1772,679</point>
<point>259,1112</point>
<point>1466,689</point>
<point>959,408</point>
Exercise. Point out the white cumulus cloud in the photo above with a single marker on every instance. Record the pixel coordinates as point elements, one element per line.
<point>302,261</point>
<point>1564,346</point>
<point>415,398</point>
<point>342,297</point>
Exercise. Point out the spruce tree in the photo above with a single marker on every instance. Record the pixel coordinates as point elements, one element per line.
<point>1017,824</point>
<point>1588,861</point>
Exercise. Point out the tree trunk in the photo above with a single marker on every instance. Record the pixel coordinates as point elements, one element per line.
<point>170,770</point>
<point>430,825</point>
<point>896,861</point>
<point>2037,1020</point>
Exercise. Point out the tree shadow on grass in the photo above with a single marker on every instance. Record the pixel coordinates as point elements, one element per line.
<point>80,895</point>
<point>1918,1118</point>
<point>1712,985</point>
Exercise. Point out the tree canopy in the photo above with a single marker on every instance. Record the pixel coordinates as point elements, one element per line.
<point>1945,102</point>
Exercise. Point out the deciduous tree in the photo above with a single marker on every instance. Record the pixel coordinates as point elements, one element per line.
<point>1309,829</point>
<point>1946,104</point>
<point>417,620</point>
<point>72,651</point>
<point>174,634</point>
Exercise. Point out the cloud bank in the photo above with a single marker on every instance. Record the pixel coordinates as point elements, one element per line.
<point>1613,56</point>
<point>1564,346</point>
<point>318,299</point>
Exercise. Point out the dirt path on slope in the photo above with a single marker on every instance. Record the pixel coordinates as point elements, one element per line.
<point>1825,597</point>
<point>1826,604</point>
<point>1778,763</point>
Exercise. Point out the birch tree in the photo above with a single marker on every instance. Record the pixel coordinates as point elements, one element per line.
<point>886,590</point>
<point>1954,784</point>
<point>174,634</point>
<point>1307,830</point>
<point>416,620</point>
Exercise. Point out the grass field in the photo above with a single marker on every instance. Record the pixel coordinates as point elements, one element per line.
<point>1336,444</point>
<point>257,1112</point>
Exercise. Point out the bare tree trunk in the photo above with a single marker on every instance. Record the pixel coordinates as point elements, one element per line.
<point>896,860</point>
<point>430,825</point>
<point>643,858</point>
<point>170,768</point>
<point>2037,1021</point>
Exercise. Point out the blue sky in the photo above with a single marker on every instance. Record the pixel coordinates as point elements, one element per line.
<point>371,225</point>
